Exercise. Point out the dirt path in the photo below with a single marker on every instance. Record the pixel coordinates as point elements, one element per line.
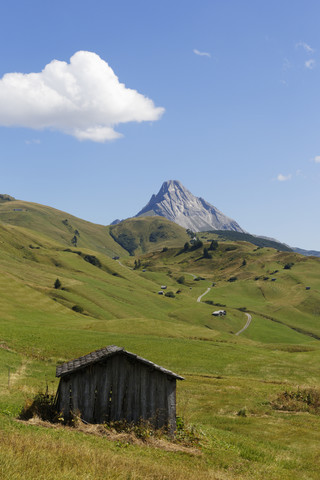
<point>205,293</point>
<point>125,266</point>
<point>20,372</point>
<point>246,325</point>
<point>187,273</point>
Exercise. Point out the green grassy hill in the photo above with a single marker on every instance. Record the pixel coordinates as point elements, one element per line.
<point>231,380</point>
<point>59,226</point>
<point>245,237</point>
<point>140,235</point>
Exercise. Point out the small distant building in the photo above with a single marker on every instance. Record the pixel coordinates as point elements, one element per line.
<point>307,288</point>
<point>163,287</point>
<point>115,258</point>
<point>219,313</point>
<point>112,384</point>
<point>160,292</point>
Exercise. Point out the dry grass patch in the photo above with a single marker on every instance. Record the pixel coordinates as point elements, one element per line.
<point>300,400</point>
<point>121,439</point>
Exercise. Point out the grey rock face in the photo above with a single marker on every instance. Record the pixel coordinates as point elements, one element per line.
<point>116,221</point>
<point>176,203</point>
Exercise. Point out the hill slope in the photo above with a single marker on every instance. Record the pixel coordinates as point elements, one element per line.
<point>242,436</point>
<point>59,226</point>
<point>140,235</point>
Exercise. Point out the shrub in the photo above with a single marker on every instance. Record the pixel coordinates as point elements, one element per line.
<point>206,254</point>
<point>288,265</point>
<point>137,264</point>
<point>196,244</point>
<point>57,283</point>
<point>232,279</point>
<point>181,280</point>
<point>42,406</point>
<point>77,308</point>
<point>242,412</point>
<point>169,294</point>
<point>231,248</point>
<point>93,260</point>
<point>301,400</point>
<point>214,245</point>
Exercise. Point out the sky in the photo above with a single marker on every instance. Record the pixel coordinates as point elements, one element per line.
<point>103,101</point>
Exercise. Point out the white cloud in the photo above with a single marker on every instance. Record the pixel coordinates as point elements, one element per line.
<point>202,54</point>
<point>310,64</point>
<point>306,47</point>
<point>283,178</point>
<point>317,159</point>
<point>83,98</point>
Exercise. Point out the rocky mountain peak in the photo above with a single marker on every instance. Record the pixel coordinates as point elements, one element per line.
<point>178,204</point>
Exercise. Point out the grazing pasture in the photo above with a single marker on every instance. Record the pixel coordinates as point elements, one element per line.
<point>232,382</point>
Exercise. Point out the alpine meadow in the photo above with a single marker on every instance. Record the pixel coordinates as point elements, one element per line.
<point>251,397</point>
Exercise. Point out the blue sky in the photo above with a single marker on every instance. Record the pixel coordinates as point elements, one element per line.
<point>221,95</point>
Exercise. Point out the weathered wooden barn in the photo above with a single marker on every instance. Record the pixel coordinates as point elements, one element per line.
<point>112,384</point>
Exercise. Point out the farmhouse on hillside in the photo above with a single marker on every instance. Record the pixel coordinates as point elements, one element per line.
<point>112,384</point>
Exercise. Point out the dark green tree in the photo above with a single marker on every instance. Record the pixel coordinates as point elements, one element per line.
<point>214,245</point>
<point>206,254</point>
<point>57,283</point>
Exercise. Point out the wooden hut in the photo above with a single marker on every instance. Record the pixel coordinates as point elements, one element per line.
<point>112,384</point>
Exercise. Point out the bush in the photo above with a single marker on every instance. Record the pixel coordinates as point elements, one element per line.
<point>42,406</point>
<point>288,265</point>
<point>57,284</point>
<point>242,412</point>
<point>77,308</point>
<point>93,260</point>
<point>169,294</point>
<point>137,264</point>
<point>214,245</point>
<point>232,279</point>
<point>196,244</point>
<point>206,254</point>
<point>231,248</point>
<point>181,280</point>
<point>302,400</point>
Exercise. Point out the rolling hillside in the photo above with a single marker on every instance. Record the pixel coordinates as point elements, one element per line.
<point>141,235</point>
<point>59,226</point>
<point>117,302</point>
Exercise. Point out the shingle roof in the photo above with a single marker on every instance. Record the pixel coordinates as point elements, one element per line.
<point>103,353</point>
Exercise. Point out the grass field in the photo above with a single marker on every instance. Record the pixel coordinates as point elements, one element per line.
<point>230,381</point>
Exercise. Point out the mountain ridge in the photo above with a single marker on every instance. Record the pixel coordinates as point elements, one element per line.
<point>178,204</point>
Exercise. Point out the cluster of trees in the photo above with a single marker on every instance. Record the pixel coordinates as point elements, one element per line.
<point>137,264</point>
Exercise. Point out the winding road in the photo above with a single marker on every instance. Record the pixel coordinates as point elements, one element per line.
<point>205,293</point>
<point>246,325</point>
<point>249,318</point>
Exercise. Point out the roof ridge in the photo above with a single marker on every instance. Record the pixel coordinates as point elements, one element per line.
<point>105,352</point>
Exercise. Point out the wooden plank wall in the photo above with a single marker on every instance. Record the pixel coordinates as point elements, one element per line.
<point>119,389</point>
